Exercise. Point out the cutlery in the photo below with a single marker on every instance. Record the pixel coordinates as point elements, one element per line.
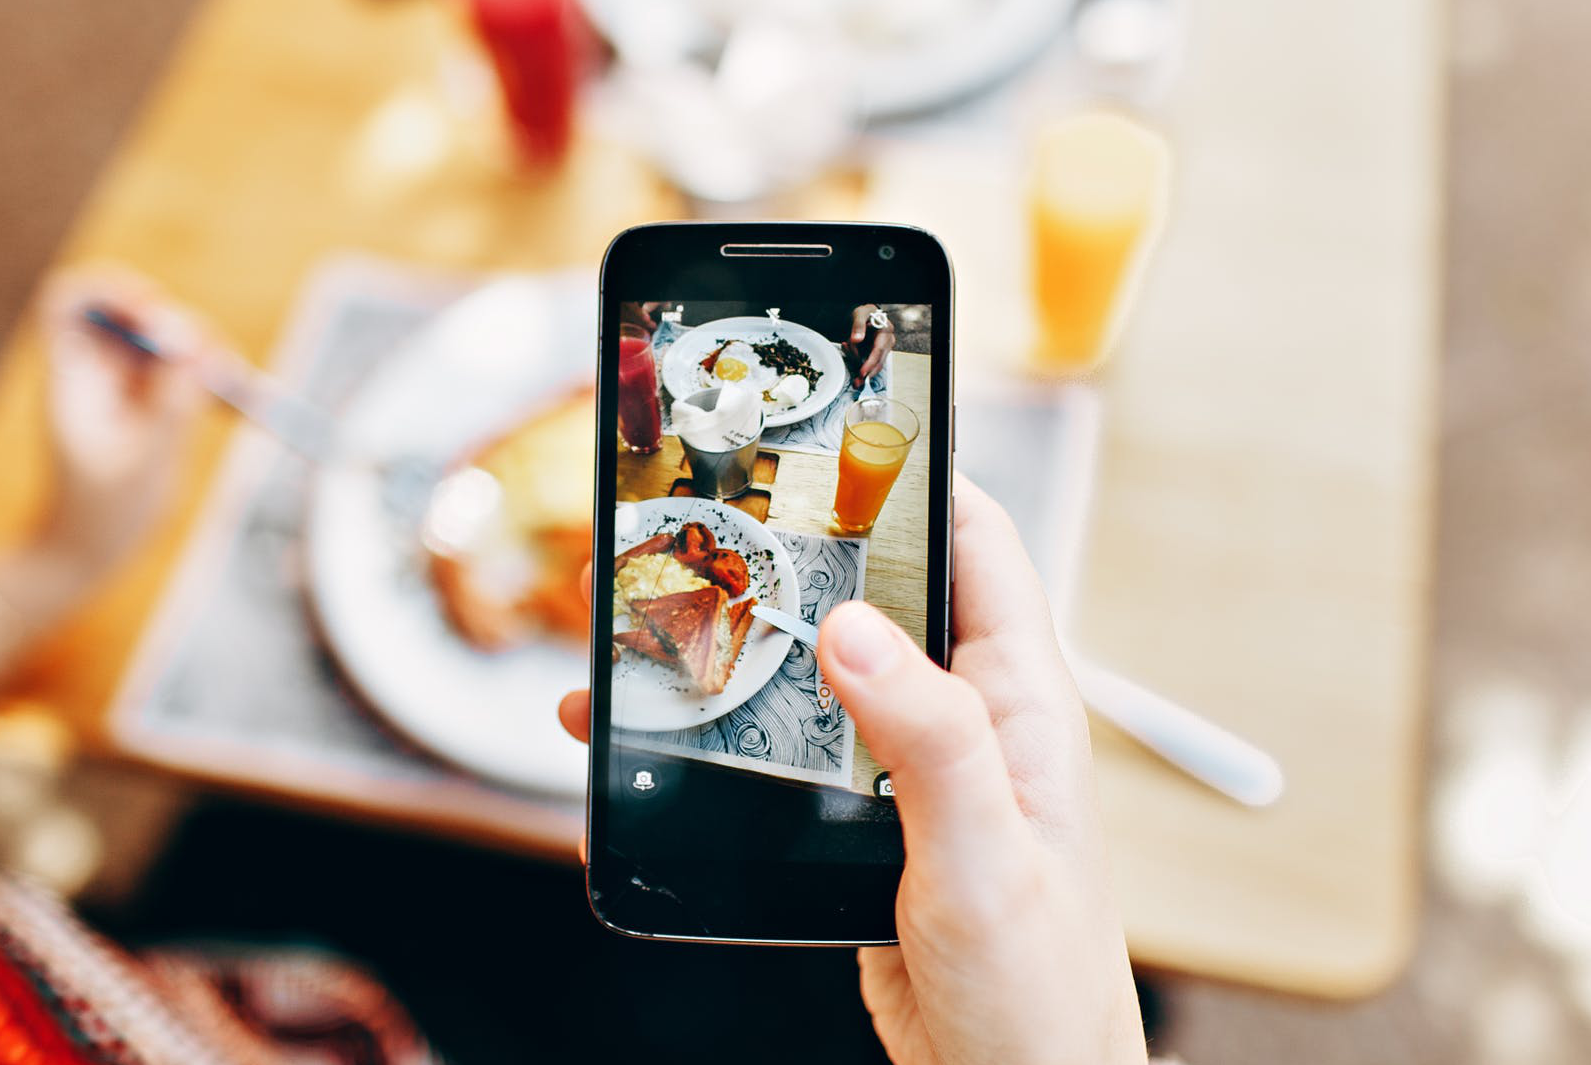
<point>300,425</point>
<point>408,483</point>
<point>1199,747</point>
<point>804,631</point>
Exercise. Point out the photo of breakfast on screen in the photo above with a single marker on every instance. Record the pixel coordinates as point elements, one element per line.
<point>770,467</point>
<point>677,591</point>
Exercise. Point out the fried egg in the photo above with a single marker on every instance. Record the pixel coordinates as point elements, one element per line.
<point>730,369</point>
<point>738,362</point>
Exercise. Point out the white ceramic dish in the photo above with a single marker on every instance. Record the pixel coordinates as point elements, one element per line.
<point>472,372</point>
<point>683,374</point>
<point>651,697</point>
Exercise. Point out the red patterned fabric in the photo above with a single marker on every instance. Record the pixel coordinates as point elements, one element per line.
<point>68,997</point>
<point>30,1032</point>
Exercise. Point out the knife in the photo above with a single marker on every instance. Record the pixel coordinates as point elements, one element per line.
<point>804,631</point>
<point>1199,747</point>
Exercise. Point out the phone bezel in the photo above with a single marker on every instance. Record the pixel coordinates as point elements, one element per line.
<point>788,902</point>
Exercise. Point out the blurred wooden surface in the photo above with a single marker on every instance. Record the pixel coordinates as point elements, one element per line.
<point>802,496</point>
<point>1261,540</point>
<point>1262,546</point>
<point>1262,532</point>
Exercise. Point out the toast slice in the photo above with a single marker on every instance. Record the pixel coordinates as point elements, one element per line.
<point>521,580</point>
<point>697,632</point>
<point>644,642</point>
<point>687,624</point>
<point>734,624</point>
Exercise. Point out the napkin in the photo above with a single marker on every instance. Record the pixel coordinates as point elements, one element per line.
<point>718,420</point>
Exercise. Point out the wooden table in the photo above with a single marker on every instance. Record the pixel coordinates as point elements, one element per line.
<point>1261,534</point>
<point>1261,538</point>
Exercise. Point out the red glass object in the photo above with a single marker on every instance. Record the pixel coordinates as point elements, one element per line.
<point>640,411</point>
<point>539,49</point>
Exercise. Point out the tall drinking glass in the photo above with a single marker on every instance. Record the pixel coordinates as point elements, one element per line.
<point>878,436</point>
<point>1098,197</point>
<point>539,50</point>
<point>640,411</point>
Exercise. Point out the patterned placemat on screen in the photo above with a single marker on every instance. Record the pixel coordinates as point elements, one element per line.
<point>793,726</point>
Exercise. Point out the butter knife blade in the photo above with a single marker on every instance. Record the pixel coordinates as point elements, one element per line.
<point>804,631</point>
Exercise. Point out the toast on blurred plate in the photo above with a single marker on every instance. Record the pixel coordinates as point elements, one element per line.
<point>522,577</point>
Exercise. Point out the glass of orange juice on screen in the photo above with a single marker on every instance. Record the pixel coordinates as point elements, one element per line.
<point>1098,198</point>
<point>878,436</point>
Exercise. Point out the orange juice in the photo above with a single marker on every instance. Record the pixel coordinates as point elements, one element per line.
<point>1099,190</point>
<point>870,460</point>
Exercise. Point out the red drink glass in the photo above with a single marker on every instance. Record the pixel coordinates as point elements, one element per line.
<point>640,411</point>
<point>538,49</point>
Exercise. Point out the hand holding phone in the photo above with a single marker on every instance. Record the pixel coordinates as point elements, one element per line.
<point>1011,947</point>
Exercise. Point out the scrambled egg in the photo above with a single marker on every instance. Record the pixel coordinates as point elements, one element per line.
<point>651,576</point>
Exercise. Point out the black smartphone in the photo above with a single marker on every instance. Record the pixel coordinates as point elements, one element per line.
<point>745,486</point>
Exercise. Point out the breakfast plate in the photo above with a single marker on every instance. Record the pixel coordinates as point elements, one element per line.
<point>478,367</point>
<point>740,350</point>
<point>650,696</point>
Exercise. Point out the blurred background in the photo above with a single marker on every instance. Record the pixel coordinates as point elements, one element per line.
<point>1286,299</point>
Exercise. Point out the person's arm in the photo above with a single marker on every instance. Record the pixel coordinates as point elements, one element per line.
<point>872,360</point>
<point>38,586</point>
<point>117,421</point>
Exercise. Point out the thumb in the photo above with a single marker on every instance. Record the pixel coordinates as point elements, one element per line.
<point>932,731</point>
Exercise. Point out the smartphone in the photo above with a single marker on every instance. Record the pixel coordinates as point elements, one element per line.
<point>745,486</point>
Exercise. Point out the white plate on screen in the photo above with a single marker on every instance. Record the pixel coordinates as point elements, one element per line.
<point>651,697</point>
<point>471,373</point>
<point>683,374</point>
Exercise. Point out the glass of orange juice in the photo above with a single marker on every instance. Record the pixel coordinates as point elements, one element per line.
<point>1099,188</point>
<point>878,436</point>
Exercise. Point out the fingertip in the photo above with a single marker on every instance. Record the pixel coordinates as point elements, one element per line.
<point>858,641</point>
<point>574,713</point>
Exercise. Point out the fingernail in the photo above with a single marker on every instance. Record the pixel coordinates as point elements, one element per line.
<point>865,644</point>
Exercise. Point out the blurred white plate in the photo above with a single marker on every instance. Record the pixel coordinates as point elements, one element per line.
<point>910,56</point>
<point>469,374</point>
<point>651,697</point>
<point>683,375</point>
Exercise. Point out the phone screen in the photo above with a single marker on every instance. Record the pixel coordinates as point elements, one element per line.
<point>773,456</point>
